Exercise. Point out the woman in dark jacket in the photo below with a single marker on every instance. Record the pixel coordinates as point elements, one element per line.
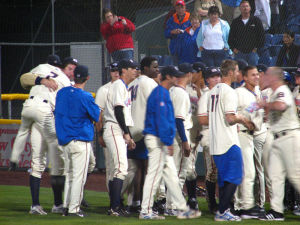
<point>289,52</point>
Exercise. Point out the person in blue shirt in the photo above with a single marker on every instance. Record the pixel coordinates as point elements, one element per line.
<point>159,131</point>
<point>175,28</point>
<point>75,112</point>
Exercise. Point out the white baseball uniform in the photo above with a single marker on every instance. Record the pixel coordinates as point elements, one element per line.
<point>211,170</point>
<point>117,95</point>
<point>101,99</point>
<point>296,94</point>
<point>38,109</point>
<point>248,107</point>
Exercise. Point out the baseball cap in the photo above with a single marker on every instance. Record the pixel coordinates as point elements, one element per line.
<point>127,63</point>
<point>297,72</point>
<point>180,2</point>
<point>242,64</point>
<point>212,71</point>
<point>186,68</point>
<point>172,71</point>
<point>113,66</point>
<point>54,60</point>
<point>287,76</point>
<point>69,60</point>
<point>199,66</point>
<point>81,71</point>
<point>262,68</point>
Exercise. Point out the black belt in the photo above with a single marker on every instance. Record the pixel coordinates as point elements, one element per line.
<point>282,133</point>
<point>248,132</point>
<point>46,101</point>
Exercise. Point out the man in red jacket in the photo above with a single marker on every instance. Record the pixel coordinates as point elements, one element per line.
<point>117,30</point>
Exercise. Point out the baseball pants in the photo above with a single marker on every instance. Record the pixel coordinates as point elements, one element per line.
<point>77,154</point>
<point>35,111</point>
<point>259,141</point>
<point>191,173</point>
<point>244,195</point>
<point>92,162</point>
<point>284,163</point>
<point>210,166</point>
<point>108,167</point>
<point>265,159</point>
<point>160,164</point>
<point>117,150</point>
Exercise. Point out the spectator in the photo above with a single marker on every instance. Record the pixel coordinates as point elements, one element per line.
<point>275,17</point>
<point>176,26</point>
<point>289,52</point>
<point>170,13</point>
<point>201,8</point>
<point>230,9</point>
<point>263,12</point>
<point>188,50</point>
<point>117,30</point>
<point>212,39</point>
<point>246,35</point>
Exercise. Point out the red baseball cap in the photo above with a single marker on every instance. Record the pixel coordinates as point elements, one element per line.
<point>180,2</point>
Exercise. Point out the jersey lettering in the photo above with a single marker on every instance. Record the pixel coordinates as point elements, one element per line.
<point>133,91</point>
<point>214,99</point>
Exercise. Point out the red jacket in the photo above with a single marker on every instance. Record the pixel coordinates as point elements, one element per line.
<point>118,36</point>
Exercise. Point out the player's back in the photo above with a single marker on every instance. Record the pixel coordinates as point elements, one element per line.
<point>139,89</point>
<point>222,101</point>
<point>101,95</point>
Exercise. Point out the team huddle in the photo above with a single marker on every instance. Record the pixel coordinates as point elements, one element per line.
<point>150,123</point>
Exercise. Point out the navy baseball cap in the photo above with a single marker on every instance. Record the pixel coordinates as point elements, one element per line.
<point>171,71</point>
<point>186,68</point>
<point>212,71</point>
<point>69,60</point>
<point>242,64</point>
<point>113,66</point>
<point>127,63</point>
<point>262,68</point>
<point>54,60</point>
<point>81,71</point>
<point>199,66</point>
<point>287,76</point>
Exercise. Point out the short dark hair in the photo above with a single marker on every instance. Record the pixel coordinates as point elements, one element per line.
<point>290,33</point>
<point>247,68</point>
<point>105,11</point>
<point>80,80</point>
<point>213,10</point>
<point>146,61</point>
<point>227,65</point>
<point>244,1</point>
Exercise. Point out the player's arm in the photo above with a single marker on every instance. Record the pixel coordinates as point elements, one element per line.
<point>202,113</point>
<point>276,106</point>
<point>236,118</point>
<point>203,120</point>
<point>28,80</point>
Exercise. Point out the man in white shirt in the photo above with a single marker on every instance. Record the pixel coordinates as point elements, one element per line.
<point>224,142</point>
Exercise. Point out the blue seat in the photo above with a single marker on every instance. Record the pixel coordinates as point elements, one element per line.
<point>159,59</point>
<point>297,39</point>
<point>273,61</point>
<point>277,39</point>
<point>265,60</point>
<point>268,40</point>
<point>167,60</point>
<point>274,50</point>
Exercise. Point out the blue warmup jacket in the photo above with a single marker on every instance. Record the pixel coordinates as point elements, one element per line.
<point>160,119</point>
<point>232,3</point>
<point>173,23</point>
<point>188,50</point>
<point>75,112</point>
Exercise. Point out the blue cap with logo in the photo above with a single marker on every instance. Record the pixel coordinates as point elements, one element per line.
<point>127,63</point>
<point>199,66</point>
<point>186,68</point>
<point>212,71</point>
<point>262,68</point>
<point>171,71</point>
<point>54,60</point>
<point>81,71</point>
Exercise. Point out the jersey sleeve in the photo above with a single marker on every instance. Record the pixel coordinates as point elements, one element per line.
<point>92,108</point>
<point>119,91</point>
<point>230,101</point>
<point>203,105</point>
<point>101,98</point>
<point>179,103</point>
<point>284,96</point>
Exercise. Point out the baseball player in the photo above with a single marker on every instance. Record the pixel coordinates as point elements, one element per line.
<point>284,159</point>
<point>183,117</point>
<point>140,90</point>
<point>116,134</point>
<point>101,99</point>
<point>159,136</point>
<point>248,97</point>
<point>212,77</point>
<point>37,113</point>
<point>75,112</point>
<point>296,91</point>
<point>226,152</point>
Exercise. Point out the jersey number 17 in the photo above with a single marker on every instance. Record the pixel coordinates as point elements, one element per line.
<point>214,102</point>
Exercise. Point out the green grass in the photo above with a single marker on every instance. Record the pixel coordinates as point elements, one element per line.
<point>15,202</point>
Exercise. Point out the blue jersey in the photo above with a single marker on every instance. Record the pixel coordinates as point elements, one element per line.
<point>160,119</point>
<point>75,112</point>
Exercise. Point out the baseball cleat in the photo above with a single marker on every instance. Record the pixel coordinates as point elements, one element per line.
<point>84,203</point>
<point>79,214</point>
<point>226,216</point>
<point>119,212</point>
<point>58,209</point>
<point>37,209</point>
<point>171,212</point>
<point>153,216</point>
<point>189,214</point>
<point>252,213</point>
<point>272,216</point>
